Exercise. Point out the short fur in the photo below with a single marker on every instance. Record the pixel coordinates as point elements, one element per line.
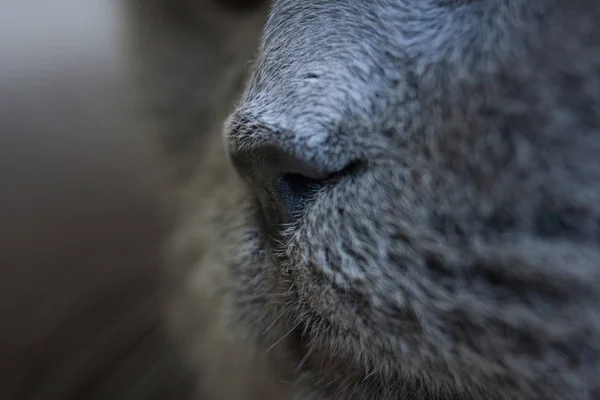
<point>458,259</point>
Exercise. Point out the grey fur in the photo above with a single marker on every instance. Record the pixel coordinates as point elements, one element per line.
<point>459,260</point>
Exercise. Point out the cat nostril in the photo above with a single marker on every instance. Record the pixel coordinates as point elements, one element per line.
<point>293,190</point>
<point>283,183</point>
<point>283,198</point>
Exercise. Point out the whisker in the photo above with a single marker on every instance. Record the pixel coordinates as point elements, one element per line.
<point>283,337</point>
<point>301,363</point>
<point>273,323</point>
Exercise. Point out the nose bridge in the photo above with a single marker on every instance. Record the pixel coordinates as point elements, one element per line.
<point>314,114</point>
<point>307,106</point>
<point>310,97</point>
<point>298,110</point>
<point>308,101</point>
<point>310,69</point>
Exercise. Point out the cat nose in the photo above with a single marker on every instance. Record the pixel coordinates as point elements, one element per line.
<point>282,180</point>
<point>286,168</point>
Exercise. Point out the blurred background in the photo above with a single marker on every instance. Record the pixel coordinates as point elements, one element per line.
<point>80,220</point>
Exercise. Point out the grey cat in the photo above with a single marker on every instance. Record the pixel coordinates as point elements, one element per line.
<point>404,202</point>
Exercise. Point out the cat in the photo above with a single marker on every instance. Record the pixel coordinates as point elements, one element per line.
<point>384,199</point>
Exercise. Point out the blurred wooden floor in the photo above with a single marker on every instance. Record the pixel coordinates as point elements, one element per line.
<point>80,223</point>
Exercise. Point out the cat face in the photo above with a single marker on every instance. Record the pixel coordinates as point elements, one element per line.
<point>417,218</point>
